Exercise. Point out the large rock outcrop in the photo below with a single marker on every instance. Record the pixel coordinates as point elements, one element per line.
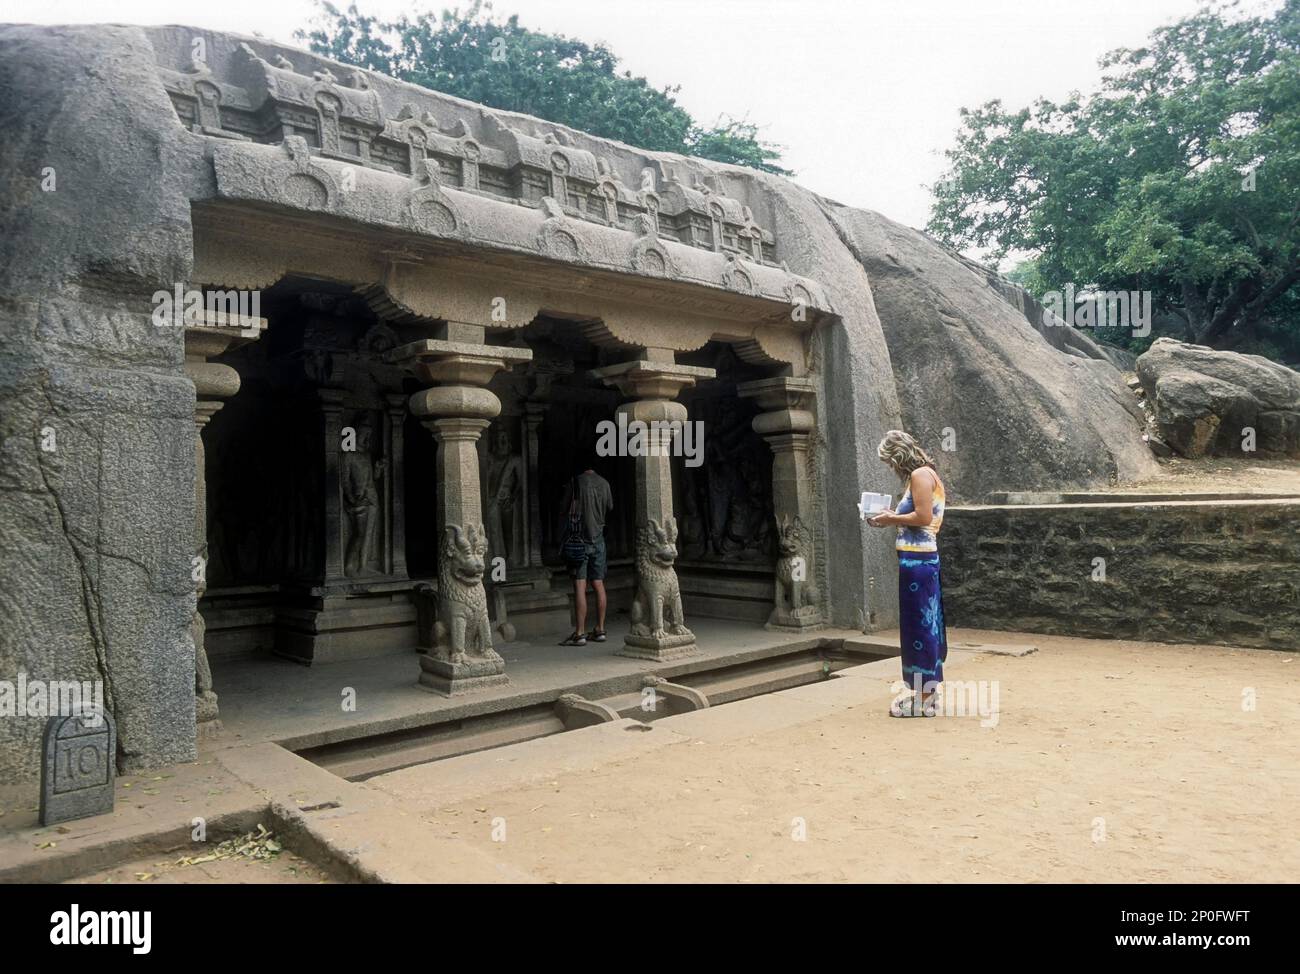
<point>1022,405</point>
<point>96,415</point>
<point>1211,403</point>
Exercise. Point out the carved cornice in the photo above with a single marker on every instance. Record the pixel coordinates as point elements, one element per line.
<point>271,102</point>
<point>409,279</point>
<point>291,177</point>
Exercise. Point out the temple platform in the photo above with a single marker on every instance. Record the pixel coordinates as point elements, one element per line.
<point>299,707</point>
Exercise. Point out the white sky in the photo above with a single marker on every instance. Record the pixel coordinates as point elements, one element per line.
<point>863,94</point>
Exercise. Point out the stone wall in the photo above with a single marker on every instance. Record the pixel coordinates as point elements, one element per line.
<point>1173,572</point>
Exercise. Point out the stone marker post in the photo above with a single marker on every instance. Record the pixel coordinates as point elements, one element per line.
<point>78,758</point>
<point>786,423</point>
<point>658,630</point>
<point>206,337</point>
<point>456,409</point>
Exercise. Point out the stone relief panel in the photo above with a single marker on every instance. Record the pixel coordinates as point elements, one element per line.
<point>305,468</point>
<point>361,480</point>
<point>504,503</point>
<point>265,511</point>
<point>725,504</point>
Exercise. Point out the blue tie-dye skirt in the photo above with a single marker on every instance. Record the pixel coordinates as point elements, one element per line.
<point>924,637</point>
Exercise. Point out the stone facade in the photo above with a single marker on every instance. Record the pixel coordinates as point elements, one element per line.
<point>450,298</point>
<point>1174,572</point>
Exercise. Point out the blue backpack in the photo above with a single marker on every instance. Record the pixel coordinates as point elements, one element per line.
<point>573,549</point>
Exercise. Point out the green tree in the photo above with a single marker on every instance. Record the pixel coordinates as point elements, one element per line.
<point>1179,175</point>
<point>504,65</point>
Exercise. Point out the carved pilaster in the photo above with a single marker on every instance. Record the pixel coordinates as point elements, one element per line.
<point>331,404</point>
<point>396,490</point>
<point>213,382</point>
<point>786,423</point>
<point>658,629</point>
<point>534,413</point>
<point>456,409</point>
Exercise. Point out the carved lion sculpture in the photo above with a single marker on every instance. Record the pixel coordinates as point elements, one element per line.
<point>657,609</point>
<point>463,626</point>
<point>796,593</point>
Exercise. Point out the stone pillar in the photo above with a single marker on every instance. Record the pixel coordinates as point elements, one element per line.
<point>658,630</point>
<point>534,413</point>
<point>213,383</point>
<point>786,423</point>
<point>331,404</point>
<point>396,491</point>
<point>456,409</point>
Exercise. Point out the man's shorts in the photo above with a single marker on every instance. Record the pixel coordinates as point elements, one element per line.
<point>593,566</point>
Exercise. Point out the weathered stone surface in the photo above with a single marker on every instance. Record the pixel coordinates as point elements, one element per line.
<point>1121,358</point>
<point>1029,406</point>
<point>1205,401</point>
<point>97,515</point>
<point>78,765</point>
<point>1173,572</point>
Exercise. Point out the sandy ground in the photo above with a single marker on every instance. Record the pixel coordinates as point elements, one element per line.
<point>1110,761</point>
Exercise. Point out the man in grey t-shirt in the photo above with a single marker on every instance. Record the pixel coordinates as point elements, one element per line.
<point>595,501</point>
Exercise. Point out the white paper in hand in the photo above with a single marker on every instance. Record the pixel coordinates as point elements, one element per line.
<point>872,504</point>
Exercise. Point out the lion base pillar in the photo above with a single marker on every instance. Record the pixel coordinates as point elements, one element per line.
<point>439,675</point>
<point>658,625</point>
<point>786,423</point>
<point>456,410</point>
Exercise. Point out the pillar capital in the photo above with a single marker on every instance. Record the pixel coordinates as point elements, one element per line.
<point>787,419</point>
<point>780,394</point>
<point>210,333</point>
<point>647,379</point>
<point>444,362</point>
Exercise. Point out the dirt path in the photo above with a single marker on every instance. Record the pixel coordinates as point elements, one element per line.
<point>1109,761</point>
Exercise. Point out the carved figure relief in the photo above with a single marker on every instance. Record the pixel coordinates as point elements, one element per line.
<point>360,473</point>
<point>505,500</point>
<point>737,488</point>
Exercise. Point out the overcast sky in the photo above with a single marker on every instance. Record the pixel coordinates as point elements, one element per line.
<point>863,94</point>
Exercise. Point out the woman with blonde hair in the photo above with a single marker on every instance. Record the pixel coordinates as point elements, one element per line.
<point>924,638</point>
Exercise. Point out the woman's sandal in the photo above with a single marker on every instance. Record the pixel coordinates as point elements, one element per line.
<point>597,635</point>
<point>911,707</point>
<point>577,639</point>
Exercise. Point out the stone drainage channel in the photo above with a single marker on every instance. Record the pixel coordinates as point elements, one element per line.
<point>645,698</point>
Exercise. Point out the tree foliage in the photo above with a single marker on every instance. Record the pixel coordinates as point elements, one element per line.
<point>499,63</point>
<point>1180,175</point>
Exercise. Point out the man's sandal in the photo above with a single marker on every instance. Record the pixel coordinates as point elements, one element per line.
<point>577,639</point>
<point>597,635</point>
